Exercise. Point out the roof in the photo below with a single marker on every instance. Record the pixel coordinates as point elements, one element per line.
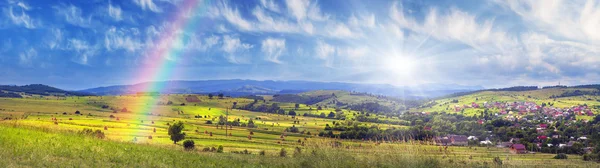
<point>460,138</point>
<point>518,146</point>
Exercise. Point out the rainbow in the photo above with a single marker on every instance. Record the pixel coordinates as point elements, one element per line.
<point>160,62</point>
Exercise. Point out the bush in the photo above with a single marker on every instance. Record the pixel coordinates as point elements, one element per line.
<point>208,122</point>
<point>560,156</point>
<point>298,151</point>
<point>282,153</point>
<point>189,145</point>
<point>294,129</point>
<point>497,160</point>
<point>206,149</point>
<point>220,149</point>
<point>89,132</point>
<point>590,157</point>
<point>262,153</point>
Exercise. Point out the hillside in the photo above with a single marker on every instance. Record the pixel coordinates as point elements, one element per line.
<point>35,89</point>
<point>560,97</point>
<point>348,100</point>
<point>238,87</point>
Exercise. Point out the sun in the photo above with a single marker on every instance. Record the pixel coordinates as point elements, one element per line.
<point>400,65</point>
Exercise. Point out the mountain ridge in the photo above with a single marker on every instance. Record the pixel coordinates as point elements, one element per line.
<point>235,87</point>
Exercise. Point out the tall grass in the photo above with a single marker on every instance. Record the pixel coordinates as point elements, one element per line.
<point>22,147</point>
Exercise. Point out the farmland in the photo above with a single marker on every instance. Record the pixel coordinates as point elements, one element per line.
<point>59,119</point>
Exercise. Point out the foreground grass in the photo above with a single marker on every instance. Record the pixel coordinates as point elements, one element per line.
<point>38,147</point>
<point>24,147</point>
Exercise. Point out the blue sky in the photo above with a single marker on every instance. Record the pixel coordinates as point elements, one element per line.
<point>82,44</point>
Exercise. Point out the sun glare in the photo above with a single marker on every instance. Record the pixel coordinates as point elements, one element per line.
<point>400,65</point>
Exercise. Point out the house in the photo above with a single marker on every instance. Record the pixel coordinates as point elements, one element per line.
<point>543,126</point>
<point>459,140</point>
<point>518,149</point>
<point>588,150</point>
<point>441,141</point>
<point>542,137</point>
<point>456,140</point>
<point>504,144</point>
<point>570,143</point>
<point>486,142</point>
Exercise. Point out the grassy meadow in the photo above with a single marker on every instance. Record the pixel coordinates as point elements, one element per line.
<point>42,132</point>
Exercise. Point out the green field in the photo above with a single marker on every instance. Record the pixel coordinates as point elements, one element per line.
<point>31,138</point>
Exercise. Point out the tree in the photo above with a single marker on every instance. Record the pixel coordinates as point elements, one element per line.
<point>188,144</point>
<point>297,106</point>
<point>210,95</point>
<point>292,113</point>
<point>322,115</point>
<point>294,129</point>
<point>175,131</point>
<point>220,95</point>
<point>331,115</point>
<point>250,123</point>
<point>234,104</point>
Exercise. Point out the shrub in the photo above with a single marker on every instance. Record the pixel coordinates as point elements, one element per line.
<point>497,160</point>
<point>298,151</point>
<point>262,153</point>
<point>189,144</point>
<point>206,149</point>
<point>220,149</point>
<point>294,129</point>
<point>590,157</point>
<point>282,153</point>
<point>89,132</point>
<point>208,122</point>
<point>560,156</point>
<point>77,112</point>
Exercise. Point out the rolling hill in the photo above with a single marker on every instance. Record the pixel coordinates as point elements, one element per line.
<point>238,87</point>
<point>35,89</point>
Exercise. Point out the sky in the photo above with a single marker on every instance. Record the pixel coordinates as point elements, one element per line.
<point>495,43</point>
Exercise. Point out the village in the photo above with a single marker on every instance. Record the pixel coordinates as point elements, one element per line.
<point>542,118</point>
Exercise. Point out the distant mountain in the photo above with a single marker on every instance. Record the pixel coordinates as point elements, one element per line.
<point>238,87</point>
<point>35,89</point>
<point>253,89</point>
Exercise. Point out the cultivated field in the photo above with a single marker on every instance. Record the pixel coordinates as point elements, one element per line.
<point>42,132</point>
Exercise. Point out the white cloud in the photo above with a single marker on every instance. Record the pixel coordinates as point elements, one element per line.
<point>268,23</point>
<point>147,4</point>
<point>73,15</point>
<point>298,8</point>
<point>340,30</point>
<point>232,15</point>
<point>273,48</point>
<point>115,12</point>
<point>576,20</point>
<point>456,25</point>
<point>235,49</point>
<point>16,12</point>
<point>325,52</point>
<point>270,5</point>
<point>83,50</point>
<point>362,21</point>
<point>26,58</point>
<point>122,39</point>
<point>304,9</point>
<point>56,39</point>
